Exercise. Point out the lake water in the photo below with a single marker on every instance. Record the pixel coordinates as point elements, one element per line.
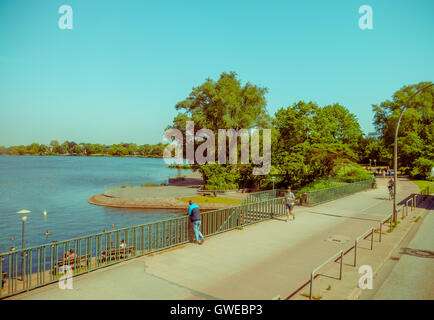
<point>62,186</point>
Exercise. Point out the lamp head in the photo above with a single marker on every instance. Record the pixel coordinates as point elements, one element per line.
<point>23,214</point>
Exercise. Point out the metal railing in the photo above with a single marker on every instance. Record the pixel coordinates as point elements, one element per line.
<point>312,275</point>
<point>428,190</point>
<point>265,195</point>
<point>363,236</point>
<point>383,221</point>
<point>333,193</point>
<point>259,196</point>
<point>30,268</point>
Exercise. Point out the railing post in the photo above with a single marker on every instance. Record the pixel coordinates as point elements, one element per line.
<point>342,262</point>
<point>380,229</point>
<point>372,239</point>
<point>355,252</point>
<point>311,285</point>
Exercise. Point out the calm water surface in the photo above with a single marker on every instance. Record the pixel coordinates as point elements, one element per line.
<point>62,186</point>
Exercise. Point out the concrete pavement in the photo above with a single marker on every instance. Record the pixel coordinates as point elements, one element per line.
<point>410,275</point>
<point>259,262</point>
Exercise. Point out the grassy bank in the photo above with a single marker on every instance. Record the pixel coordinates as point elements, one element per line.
<point>203,199</point>
<point>422,184</point>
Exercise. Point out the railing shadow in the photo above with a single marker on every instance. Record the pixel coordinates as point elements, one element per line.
<point>418,253</point>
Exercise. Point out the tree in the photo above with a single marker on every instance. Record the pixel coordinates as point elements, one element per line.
<point>309,141</point>
<point>416,130</point>
<point>132,149</point>
<point>335,124</point>
<point>224,104</point>
<point>33,148</point>
<point>77,149</point>
<point>43,149</point>
<point>54,144</point>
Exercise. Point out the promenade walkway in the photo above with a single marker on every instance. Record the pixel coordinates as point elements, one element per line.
<point>410,276</point>
<point>258,262</point>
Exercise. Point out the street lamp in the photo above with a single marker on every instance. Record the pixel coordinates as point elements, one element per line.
<point>395,153</point>
<point>23,214</point>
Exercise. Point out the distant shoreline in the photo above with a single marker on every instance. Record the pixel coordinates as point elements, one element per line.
<point>86,156</point>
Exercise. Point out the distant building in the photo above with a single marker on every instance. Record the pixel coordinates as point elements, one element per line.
<point>374,135</point>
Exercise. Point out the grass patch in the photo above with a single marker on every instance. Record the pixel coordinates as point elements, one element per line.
<point>394,225</point>
<point>422,184</point>
<point>180,166</point>
<point>149,184</point>
<point>313,297</point>
<point>203,199</point>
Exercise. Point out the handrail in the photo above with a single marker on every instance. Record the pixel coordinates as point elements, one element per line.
<point>328,194</point>
<point>363,236</point>
<point>36,266</point>
<point>312,275</point>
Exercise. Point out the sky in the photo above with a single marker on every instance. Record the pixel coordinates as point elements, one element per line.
<point>118,73</point>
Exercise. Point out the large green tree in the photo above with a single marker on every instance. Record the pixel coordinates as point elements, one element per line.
<point>223,104</point>
<point>416,130</point>
<point>309,141</point>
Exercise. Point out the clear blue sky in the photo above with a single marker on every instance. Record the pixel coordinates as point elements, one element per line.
<point>118,74</point>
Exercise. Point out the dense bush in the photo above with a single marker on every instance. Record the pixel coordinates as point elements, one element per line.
<point>350,173</point>
<point>422,169</point>
<point>218,177</point>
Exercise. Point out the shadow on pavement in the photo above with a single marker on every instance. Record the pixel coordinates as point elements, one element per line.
<point>423,201</point>
<point>417,253</point>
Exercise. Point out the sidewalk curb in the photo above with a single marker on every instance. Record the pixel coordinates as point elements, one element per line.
<point>355,294</point>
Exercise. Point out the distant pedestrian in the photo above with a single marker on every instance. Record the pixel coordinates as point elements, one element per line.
<point>71,254</point>
<point>384,173</point>
<point>193,212</point>
<point>289,201</point>
<point>123,244</point>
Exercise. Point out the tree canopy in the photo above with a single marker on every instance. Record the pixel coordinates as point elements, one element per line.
<point>416,130</point>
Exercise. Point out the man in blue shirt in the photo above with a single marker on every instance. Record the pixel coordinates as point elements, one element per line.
<point>193,212</point>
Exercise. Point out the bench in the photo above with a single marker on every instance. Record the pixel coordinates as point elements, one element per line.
<point>116,252</point>
<point>207,192</point>
<point>73,263</point>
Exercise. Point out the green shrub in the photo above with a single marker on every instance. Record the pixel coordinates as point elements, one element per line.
<point>350,173</point>
<point>422,169</point>
<point>218,177</point>
<point>317,185</point>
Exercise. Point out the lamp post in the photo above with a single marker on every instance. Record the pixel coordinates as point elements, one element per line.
<point>272,179</point>
<point>395,153</point>
<point>23,214</point>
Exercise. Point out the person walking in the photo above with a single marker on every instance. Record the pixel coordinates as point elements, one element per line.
<point>390,186</point>
<point>289,200</point>
<point>193,212</point>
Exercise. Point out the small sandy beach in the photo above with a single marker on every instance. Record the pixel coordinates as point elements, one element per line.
<point>159,197</point>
